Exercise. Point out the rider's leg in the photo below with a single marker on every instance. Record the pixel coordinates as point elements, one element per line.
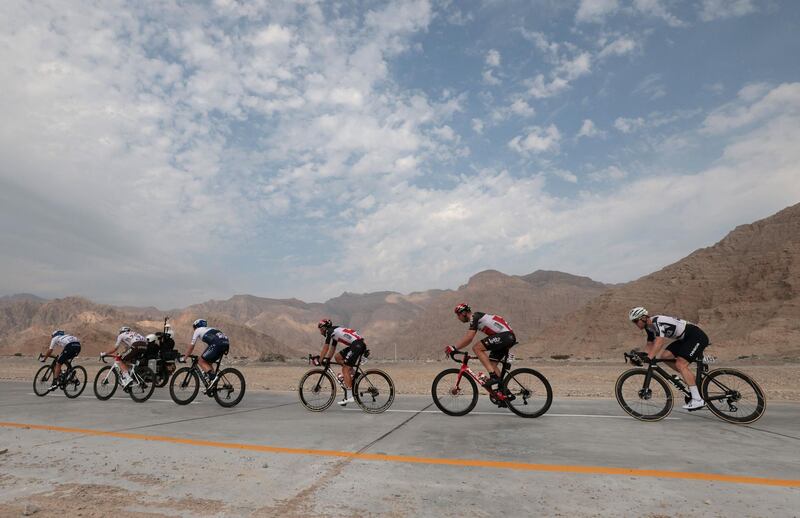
<point>56,371</point>
<point>348,380</point>
<point>483,356</point>
<point>682,366</point>
<point>204,365</point>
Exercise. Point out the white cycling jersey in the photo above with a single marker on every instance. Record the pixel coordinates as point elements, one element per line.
<point>489,324</point>
<point>342,335</point>
<point>200,334</point>
<point>665,327</point>
<point>130,339</point>
<point>63,341</point>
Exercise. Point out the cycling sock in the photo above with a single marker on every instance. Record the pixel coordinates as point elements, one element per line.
<point>348,393</point>
<point>695,392</point>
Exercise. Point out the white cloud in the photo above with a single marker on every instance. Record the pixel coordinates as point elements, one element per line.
<point>589,130</point>
<point>651,87</point>
<point>595,10</point>
<point>493,58</point>
<point>717,9</point>
<point>629,125</point>
<point>755,103</point>
<point>538,140</point>
<point>539,88</point>
<point>489,77</point>
<point>565,175</point>
<point>477,126</point>
<point>618,47</point>
<point>609,174</point>
<point>656,9</point>
<point>522,108</point>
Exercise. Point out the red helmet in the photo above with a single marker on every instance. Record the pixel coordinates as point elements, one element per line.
<point>324,323</point>
<point>462,308</point>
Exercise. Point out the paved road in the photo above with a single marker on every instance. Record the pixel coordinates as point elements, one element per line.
<point>269,456</point>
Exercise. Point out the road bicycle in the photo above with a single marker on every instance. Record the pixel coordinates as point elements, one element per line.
<point>107,380</point>
<point>526,392</point>
<point>72,379</point>
<point>227,386</point>
<point>373,389</point>
<point>729,394</point>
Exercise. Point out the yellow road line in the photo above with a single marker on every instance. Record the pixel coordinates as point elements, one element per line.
<point>493,464</point>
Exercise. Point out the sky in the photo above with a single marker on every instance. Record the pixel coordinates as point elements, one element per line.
<point>167,153</point>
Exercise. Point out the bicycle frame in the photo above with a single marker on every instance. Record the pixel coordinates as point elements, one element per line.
<point>466,370</point>
<point>356,371</point>
<point>200,374</point>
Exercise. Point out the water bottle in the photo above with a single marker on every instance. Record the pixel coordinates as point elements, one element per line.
<point>340,377</point>
<point>482,378</point>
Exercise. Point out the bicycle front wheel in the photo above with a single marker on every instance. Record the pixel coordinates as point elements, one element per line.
<point>184,386</point>
<point>230,388</point>
<point>43,380</point>
<point>374,391</point>
<point>651,403</point>
<point>76,382</point>
<point>141,391</point>
<point>454,394</point>
<point>733,396</point>
<point>105,383</point>
<point>530,391</point>
<point>317,390</point>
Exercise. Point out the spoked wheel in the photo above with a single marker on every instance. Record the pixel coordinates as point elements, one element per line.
<point>43,380</point>
<point>452,395</point>
<point>105,383</point>
<point>141,391</point>
<point>230,388</point>
<point>317,390</point>
<point>161,378</point>
<point>653,403</point>
<point>374,391</point>
<point>184,386</point>
<point>733,396</point>
<point>530,391</point>
<point>76,382</point>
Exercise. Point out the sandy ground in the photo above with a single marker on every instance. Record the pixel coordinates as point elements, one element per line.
<point>584,379</point>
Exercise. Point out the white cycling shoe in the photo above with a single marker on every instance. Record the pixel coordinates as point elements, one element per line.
<point>695,404</point>
<point>344,402</point>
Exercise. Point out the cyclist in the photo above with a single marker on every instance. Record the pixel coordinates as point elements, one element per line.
<point>688,345</point>
<point>70,345</point>
<point>216,342</point>
<point>355,347</point>
<point>128,346</point>
<point>499,339</point>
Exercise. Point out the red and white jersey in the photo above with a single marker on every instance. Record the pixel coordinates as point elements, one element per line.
<point>489,324</point>
<point>342,335</point>
<point>130,339</point>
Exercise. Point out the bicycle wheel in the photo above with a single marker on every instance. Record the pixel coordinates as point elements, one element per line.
<point>184,386</point>
<point>531,390</point>
<point>230,388</point>
<point>141,391</point>
<point>43,380</point>
<point>374,391</point>
<point>651,404</point>
<point>733,396</point>
<point>76,382</point>
<point>317,390</point>
<point>161,378</point>
<point>105,383</point>
<point>452,395</point>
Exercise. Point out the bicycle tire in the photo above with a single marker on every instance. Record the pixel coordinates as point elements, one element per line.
<point>161,378</point>
<point>188,382</point>
<point>42,380</point>
<point>317,387</point>
<point>76,377</point>
<point>635,405</point>
<point>715,404</point>
<point>224,386</point>
<point>370,391</point>
<point>525,392</point>
<point>141,392</point>
<point>109,383</point>
<point>451,392</point>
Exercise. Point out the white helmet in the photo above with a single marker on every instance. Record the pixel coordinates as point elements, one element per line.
<point>637,313</point>
<point>151,338</point>
<point>168,331</point>
<point>124,329</point>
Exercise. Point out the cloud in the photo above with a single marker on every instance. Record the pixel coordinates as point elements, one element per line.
<point>493,58</point>
<point>618,47</point>
<point>589,130</point>
<point>651,87</point>
<point>489,77</point>
<point>656,9</point>
<point>595,11</point>
<point>538,140</point>
<point>629,125</point>
<point>477,126</point>
<point>754,104</point>
<point>609,174</point>
<point>718,9</point>
<point>565,175</point>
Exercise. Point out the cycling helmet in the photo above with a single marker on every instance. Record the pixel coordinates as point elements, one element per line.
<point>637,313</point>
<point>462,308</point>
<point>325,323</point>
<point>151,338</point>
<point>124,329</point>
<point>200,322</point>
<point>168,331</point>
<point>57,332</point>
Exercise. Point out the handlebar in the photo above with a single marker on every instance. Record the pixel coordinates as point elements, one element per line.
<point>635,357</point>
<point>182,359</point>
<point>465,354</point>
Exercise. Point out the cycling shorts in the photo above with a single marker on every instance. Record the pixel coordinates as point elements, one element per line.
<point>691,346</point>
<point>499,344</point>
<point>69,352</point>
<point>353,352</point>
<point>217,346</point>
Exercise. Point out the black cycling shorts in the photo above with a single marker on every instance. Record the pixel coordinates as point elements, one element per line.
<point>499,344</point>
<point>353,352</point>
<point>692,345</point>
<point>69,352</point>
<point>215,350</point>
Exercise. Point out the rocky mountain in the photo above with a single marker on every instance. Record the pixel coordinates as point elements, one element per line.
<point>744,292</point>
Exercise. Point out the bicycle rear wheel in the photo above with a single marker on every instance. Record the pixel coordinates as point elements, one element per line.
<point>317,390</point>
<point>452,394</point>
<point>141,391</point>
<point>531,390</point>
<point>105,383</point>
<point>653,403</point>
<point>43,380</point>
<point>230,388</point>
<point>733,396</point>
<point>374,391</point>
<point>184,386</point>
<point>76,382</point>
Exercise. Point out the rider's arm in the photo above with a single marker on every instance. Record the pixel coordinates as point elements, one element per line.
<point>466,340</point>
<point>191,344</point>
<point>654,348</point>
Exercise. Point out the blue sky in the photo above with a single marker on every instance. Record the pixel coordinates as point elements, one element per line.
<point>169,153</point>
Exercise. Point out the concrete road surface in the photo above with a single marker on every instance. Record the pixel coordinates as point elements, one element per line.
<point>270,457</point>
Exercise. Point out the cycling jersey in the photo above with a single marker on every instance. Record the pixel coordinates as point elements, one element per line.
<point>129,340</point>
<point>342,335</point>
<point>63,341</point>
<point>489,324</point>
<point>208,335</point>
<point>665,327</point>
